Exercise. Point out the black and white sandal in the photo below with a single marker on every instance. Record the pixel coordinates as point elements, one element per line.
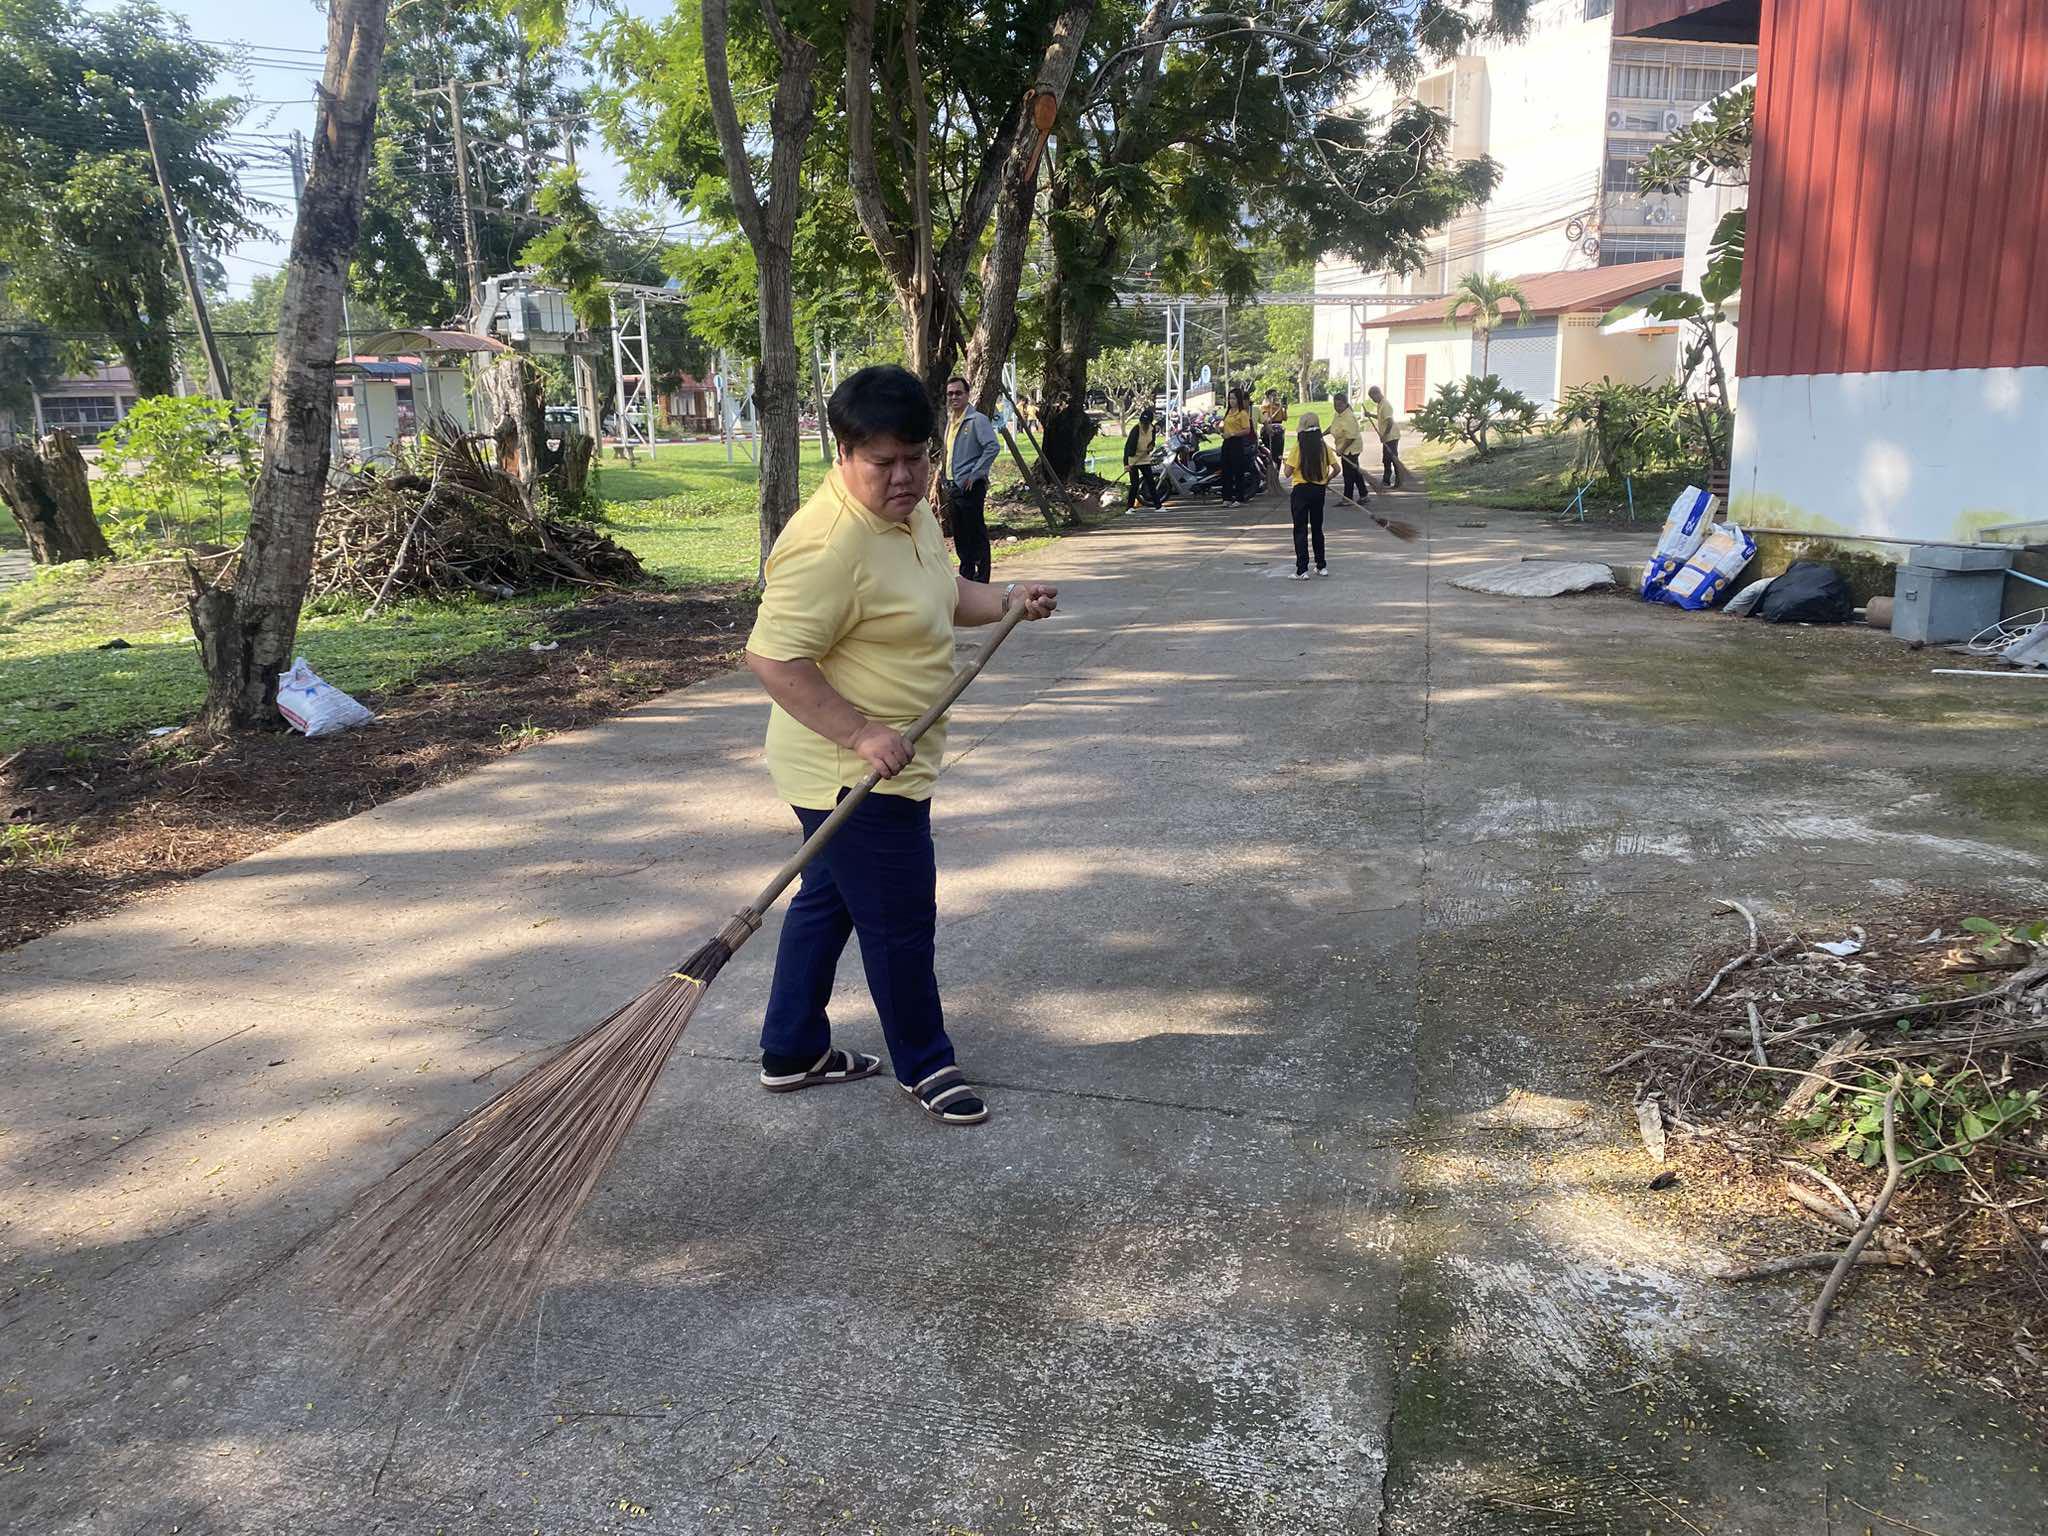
<point>947,1097</point>
<point>832,1067</point>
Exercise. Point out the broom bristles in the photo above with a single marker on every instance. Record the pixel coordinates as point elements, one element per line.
<point>1407,533</point>
<point>456,1242</point>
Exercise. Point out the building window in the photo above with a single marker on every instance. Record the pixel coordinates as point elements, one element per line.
<point>1625,250</point>
<point>1695,84</point>
<point>85,417</point>
<point>1640,82</point>
<point>1595,9</point>
<point>1624,159</point>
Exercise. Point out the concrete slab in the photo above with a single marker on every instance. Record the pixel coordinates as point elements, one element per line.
<point>1231,866</point>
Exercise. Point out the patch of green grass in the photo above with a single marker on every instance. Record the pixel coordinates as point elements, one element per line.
<point>688,515</point>
<point>27,843</point>
<point>1532,474</point>
<point>56,683</point>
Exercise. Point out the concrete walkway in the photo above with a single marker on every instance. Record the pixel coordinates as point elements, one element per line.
<point>1214,847</point>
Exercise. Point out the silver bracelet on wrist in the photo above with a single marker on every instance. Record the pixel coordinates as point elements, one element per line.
<point>1007,591</point>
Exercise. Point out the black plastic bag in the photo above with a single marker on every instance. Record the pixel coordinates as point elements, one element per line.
<point>1808,593</point>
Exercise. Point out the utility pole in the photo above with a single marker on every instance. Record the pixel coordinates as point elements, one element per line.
<point>217,371</point>
<point>472,261</point>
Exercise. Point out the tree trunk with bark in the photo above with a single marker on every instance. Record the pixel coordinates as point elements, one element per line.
<point>769,223</point>
<point>45,487</point>
<point>1070,341</point>
<point>1002,269</point>
<point>512,402</point>
<point>246,631</point>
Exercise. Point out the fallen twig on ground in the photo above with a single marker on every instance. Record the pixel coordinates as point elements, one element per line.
<point>1794,1263</point>
<point>1894,1171</point>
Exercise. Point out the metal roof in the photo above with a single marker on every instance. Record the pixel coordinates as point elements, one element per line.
<point>1560,293</point>
<point>414,340</point>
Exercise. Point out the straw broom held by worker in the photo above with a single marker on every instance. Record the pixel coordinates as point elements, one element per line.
<point>854,638</point>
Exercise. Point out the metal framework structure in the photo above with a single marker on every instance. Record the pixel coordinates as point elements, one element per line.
<point>629,345</point>
<point>1177,305</point>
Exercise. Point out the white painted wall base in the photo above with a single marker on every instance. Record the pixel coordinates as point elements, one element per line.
<point>1936,455</point>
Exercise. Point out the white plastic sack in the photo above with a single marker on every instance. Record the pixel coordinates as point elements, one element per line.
<point>1743,603</point>
<point>315,706</point>
<point>1686,525</point>
<point>1713,567</point>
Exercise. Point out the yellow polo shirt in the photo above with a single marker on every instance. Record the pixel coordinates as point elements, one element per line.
<point>1330,464</point>
<point>871,602</point>
<point>1345,434</point>
<point>1237,423</point>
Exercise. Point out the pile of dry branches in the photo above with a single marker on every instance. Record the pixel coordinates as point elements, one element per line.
<point>1920,1056</point>
<point>453,523</point>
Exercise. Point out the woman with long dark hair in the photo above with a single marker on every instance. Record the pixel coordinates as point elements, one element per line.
<point>1311,465</point>
<point>1237,449</point>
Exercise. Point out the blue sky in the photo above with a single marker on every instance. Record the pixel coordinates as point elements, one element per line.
<point>284,38</point>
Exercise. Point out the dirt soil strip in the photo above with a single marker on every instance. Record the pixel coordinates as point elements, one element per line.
<point>145,813</point>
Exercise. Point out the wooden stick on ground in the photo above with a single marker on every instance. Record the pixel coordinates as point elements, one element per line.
<point>1894,1171</point>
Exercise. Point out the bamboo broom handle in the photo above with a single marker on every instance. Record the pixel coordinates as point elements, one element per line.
<point>752,913</point>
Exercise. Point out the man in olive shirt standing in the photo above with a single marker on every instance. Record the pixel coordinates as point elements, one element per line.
<point>853,640</point>
<point>1347,438</point>
<point>1388,430</point>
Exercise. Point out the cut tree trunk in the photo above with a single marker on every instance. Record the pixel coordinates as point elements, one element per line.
<point>44,486</point>
<point>246,632</point>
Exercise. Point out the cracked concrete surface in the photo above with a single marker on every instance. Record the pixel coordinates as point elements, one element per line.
<point>1235,1254</point>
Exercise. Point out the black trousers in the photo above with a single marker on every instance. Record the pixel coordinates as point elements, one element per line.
<point>1307,506</point>
<point>1390,462</point>
<point>1237,459</point>
<point>1356,485</point>
<point>1144,486</point>
<point>968,505</point>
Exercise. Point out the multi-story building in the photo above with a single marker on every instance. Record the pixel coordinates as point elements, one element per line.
<point>1568,111</point>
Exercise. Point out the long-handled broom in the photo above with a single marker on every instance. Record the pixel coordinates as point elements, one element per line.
<point>1407,533</point>
<point>456,1242</point>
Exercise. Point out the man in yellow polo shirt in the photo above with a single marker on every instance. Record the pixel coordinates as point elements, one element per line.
<point>853,640</point>
<point>1348,439</point>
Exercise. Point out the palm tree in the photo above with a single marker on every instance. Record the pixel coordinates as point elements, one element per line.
<point>1483,296</point>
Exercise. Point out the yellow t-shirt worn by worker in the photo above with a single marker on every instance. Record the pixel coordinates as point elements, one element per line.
<point>1237,424</point>
<point>871,602</point>
<point>1273,415</point>
<point>1330,464</point>
<point>1345,435</point>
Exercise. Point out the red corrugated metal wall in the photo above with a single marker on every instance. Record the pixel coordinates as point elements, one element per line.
<point>1899,190</point>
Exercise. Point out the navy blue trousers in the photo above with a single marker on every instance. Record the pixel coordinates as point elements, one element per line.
<point>878,877</point>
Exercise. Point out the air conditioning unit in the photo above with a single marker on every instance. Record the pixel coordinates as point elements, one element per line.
<point>1658,214</point>
<point>1672,121</point>
<point>1590,245</point>
<point>1617,120</point>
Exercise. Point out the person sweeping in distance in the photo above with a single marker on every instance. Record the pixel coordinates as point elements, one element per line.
<point>1347,440</point>
<point>853,639</point>
<point>1272,432</point>
<point>1388,430</point>
<point>1310,467</point>
<point>1139,447</point>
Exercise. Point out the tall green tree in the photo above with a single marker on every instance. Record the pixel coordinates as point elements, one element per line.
<point>519,109</point>
<point>943,150</point>
<point>1479,298</point>
<point>84,241</point>
<point>1219,134</point>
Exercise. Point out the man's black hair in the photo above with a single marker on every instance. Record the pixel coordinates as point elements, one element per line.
<point>883,400</point>
<point>961,380</point>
